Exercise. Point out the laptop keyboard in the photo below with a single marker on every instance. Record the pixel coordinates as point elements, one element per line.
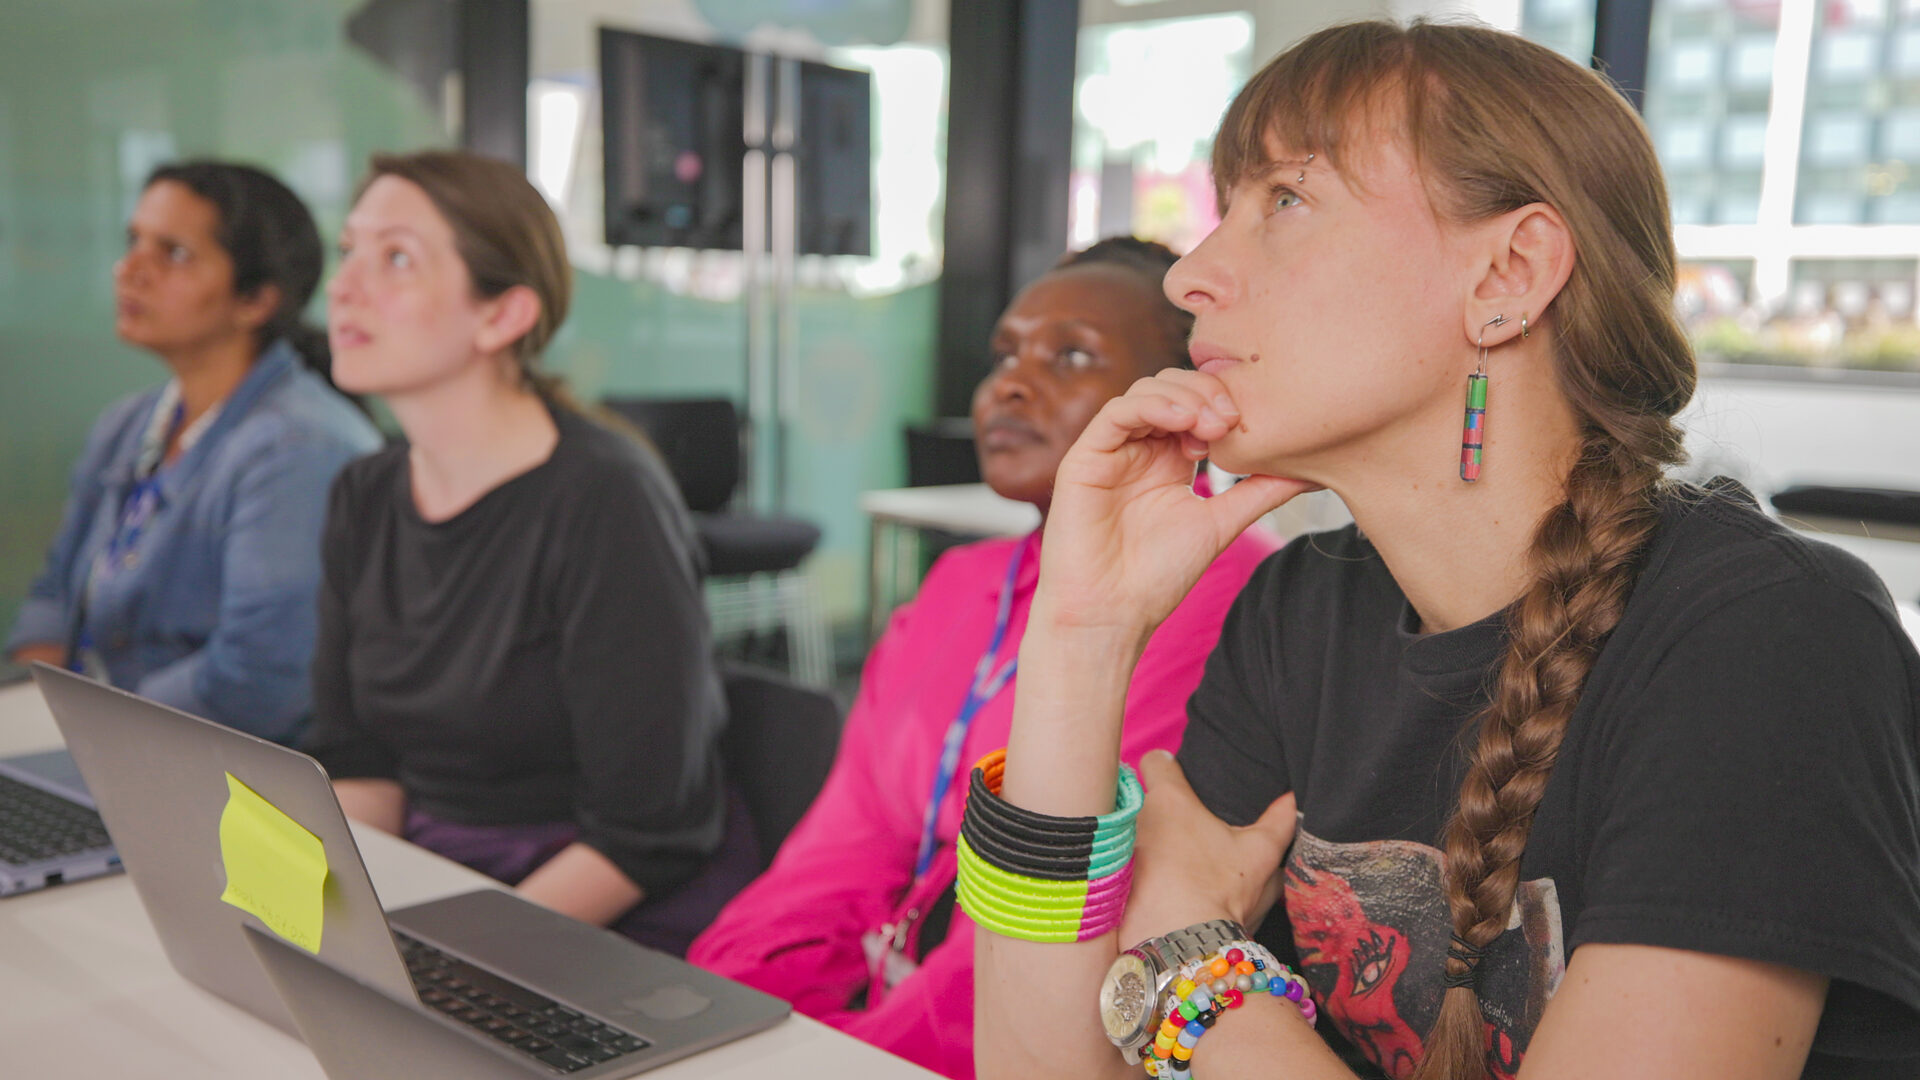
<point>537,1026</point>
<point>36,825</point>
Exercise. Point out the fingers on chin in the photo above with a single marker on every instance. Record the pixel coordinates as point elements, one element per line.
<point>1198,381</point>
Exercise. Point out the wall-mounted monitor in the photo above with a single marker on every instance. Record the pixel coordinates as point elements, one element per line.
<point>833,155</point>
<point>671,114</point>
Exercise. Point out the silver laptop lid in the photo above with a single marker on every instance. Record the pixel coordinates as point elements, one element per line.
<point>357,1032</point>
<point>158,777</point>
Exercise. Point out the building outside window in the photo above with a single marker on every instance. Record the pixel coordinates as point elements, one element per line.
<point>1789,131</point>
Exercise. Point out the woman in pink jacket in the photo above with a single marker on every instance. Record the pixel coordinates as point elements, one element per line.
<point>855,922</point>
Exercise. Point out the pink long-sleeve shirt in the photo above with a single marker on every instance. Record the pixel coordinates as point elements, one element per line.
<point>847,868</point>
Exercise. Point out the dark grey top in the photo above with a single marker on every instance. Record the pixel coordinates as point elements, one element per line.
<point>1740,777</point>
<point>542,656</point>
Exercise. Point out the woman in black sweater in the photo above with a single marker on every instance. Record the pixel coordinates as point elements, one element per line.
<point>514,665</point>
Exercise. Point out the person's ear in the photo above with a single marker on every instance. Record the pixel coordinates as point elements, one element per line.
<point>507,318</point>
<point>254,311</point>
<point>1524,258</point>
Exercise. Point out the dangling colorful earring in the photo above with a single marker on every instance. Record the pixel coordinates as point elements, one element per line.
<point>1473,438</point>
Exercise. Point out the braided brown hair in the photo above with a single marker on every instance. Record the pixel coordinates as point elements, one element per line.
<point>1497,123</point>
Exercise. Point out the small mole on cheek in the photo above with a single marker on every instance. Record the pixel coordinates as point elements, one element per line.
<point>1254,359</point>
<point>1243,427</point>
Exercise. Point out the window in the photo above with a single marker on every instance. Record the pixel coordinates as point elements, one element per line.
<point>1142,141</point>
<point>1565,26</point>
<point>1787,131</point>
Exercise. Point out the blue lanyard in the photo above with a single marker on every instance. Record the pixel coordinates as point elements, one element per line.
<point>987,682</point>
<point>143,501</point>
<point>137,508</point>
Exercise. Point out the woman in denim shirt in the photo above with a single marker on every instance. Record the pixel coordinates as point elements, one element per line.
<point>187,559</point>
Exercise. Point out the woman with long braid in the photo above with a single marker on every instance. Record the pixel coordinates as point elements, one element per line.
<point>1547,767</point>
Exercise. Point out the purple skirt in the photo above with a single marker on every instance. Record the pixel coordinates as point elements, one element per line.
<point>508,853</point>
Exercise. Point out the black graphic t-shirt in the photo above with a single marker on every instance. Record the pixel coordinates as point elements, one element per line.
<point>1740,778</point>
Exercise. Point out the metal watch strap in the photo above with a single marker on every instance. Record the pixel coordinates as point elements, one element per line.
<point>1171,952</point>
<point>1188,944</point>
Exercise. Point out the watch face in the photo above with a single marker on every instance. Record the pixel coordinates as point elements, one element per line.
<point>1127,999</point>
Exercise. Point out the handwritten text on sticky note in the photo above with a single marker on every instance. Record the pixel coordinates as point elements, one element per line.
<point>276,870</point>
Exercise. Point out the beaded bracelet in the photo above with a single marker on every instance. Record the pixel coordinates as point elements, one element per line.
<point>1207,988</point>
<point>1042,878</point>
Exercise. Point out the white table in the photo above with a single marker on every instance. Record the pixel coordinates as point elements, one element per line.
<point>86,992</point>
<point>896,517</point>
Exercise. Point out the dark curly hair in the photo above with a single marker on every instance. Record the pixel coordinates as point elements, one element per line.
<point>1151,260</point>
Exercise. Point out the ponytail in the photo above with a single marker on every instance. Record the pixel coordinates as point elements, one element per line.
<point>310,343</point>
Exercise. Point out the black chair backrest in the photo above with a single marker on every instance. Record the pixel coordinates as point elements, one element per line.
<point>1890,506</point>
<point>780,743</point>
<point>941,451</point>
<point>698,437</point>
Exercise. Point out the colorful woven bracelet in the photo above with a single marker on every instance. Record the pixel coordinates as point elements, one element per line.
<point>995,916</point>
<point>1018,836</point>
<point>1040,910</point>
<point>1127,801</point>
<point>1045,846</point>
<point>1033,895</point>
<point>1036,860</point>
<point>1206,989</point>
<point>1042,878</point>
<point>1052,917</point>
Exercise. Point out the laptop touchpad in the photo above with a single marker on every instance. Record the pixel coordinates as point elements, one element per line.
<point>676,1001</point>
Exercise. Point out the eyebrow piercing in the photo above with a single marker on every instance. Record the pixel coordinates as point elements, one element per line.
<point>1302,178</point>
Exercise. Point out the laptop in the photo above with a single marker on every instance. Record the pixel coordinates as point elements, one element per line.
<point>358,1032</point>
<point>564,997</point>
<point>49,830</point>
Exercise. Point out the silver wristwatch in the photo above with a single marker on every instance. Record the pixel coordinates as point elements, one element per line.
<point>1131,995</point>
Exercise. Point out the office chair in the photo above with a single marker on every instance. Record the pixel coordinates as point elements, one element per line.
<point>780,743</point>
<point>1883,513</point>
<point>941,451</point>
<point>1854,509</point>
<point>753,560</point>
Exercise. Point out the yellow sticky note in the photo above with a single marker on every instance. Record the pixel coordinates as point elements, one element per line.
<point>276,870</point>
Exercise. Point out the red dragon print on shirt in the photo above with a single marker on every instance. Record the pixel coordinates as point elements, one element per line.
<point>1370,924</point>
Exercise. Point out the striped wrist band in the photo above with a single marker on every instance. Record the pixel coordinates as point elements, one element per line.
<point>1043,878</point>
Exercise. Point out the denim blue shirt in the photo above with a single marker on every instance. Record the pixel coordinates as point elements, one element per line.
<point>211,609</point>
